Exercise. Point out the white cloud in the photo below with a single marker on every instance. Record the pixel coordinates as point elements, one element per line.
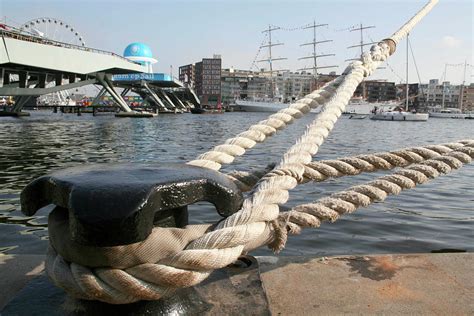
<point>451,41</point>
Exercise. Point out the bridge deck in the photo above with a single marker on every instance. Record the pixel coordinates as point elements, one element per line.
<point>30,52</point>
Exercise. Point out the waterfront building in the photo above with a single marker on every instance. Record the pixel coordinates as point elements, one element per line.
<point>433,93</point>
<point>414,95</point>
<point>205,78</point>
<point>254,85</point>
<point>468,98</point>
<point>235,85</point>
<point>376,90</point>
<point>291,86</point>
<point>243,84</point>
<point>380,90</point>
<point>186,75</point>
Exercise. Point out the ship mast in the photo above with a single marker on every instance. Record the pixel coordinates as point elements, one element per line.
<point>444,87</point>
<point>362,44</point>
<point>406,101</point>
<point>361,28</point>
<point>270,59</point>
<point>315,56</point>
<point>462,86</point>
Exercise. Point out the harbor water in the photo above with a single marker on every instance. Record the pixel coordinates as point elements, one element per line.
<point>434,216</point>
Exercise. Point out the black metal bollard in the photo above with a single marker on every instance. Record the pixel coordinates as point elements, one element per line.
<point>119,204</point>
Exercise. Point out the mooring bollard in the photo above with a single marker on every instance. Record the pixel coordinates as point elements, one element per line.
<point>119,204</point>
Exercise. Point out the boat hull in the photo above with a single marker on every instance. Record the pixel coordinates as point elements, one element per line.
<point>448,115</point>
<point>256,106</point>
<point>206,111</point>
<point>400,116</point>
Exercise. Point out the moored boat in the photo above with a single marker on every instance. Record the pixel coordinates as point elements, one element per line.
<point>206,111</point>
<point>399,116</point>
<point>447,113</point>
<point>259,106</point>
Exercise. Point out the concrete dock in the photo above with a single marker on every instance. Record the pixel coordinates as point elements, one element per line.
<point>440,284</point>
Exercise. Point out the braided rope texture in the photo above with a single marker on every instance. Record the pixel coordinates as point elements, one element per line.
<point>257,223</point>
<point>440,159</point>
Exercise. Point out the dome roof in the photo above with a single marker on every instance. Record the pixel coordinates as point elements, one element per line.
<point>137,50</point>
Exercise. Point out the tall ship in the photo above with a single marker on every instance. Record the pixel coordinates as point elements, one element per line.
<point>271,102</point>
<point>274,101</point>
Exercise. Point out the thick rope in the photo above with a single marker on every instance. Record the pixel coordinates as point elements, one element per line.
<point>349,166</point>
<point>332,207</point>
<point>257,133</point>
<point>152,280</point>
<point>249,227</point>
<point>246,180</point>
<point>324,169</point>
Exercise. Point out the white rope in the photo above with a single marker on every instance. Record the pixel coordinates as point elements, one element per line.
<point>257,133</point>
<point>324,169</point>
<point>257,223</point>
<point>330,208</point>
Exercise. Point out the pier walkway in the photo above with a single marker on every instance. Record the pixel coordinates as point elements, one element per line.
<point>376,284</point>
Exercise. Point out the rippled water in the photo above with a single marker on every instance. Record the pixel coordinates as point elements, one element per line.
<point>434,216</point>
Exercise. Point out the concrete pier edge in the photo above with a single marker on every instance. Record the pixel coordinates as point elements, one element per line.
<point>383,284</point>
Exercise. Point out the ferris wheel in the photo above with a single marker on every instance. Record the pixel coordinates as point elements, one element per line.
<point>54,29</point>
<point>60,31</point>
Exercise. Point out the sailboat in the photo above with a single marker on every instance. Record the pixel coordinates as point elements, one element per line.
<point>444,112</point>
<point>398,113</point>
<point>271,103</point>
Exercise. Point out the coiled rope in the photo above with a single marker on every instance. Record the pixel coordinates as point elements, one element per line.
<point>191,254</point>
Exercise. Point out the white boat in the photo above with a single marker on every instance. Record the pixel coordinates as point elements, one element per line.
<point>447,113</point>
<point>360,106</point>
<point>397,113</point>
<point>399,116</point>
<point>259,106</point>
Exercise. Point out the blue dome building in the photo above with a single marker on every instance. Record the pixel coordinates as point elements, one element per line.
<point>141,53</point>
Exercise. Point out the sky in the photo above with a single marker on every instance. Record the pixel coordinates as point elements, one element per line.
<point>180,32</point>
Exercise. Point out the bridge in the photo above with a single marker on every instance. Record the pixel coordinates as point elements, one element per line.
<point>158,89</point>
<point>32,66</point>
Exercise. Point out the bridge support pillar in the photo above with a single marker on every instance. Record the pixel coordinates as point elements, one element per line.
<point>72,78</point>
<point>177,100</point>
<point>58,79</point>
<point>163,93</point>
<point>42,80</point>
<point>2,74</point>
<point>154,96</point>
<point>105,82</point>
<point>23,79</point>
<point>124,92</point>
